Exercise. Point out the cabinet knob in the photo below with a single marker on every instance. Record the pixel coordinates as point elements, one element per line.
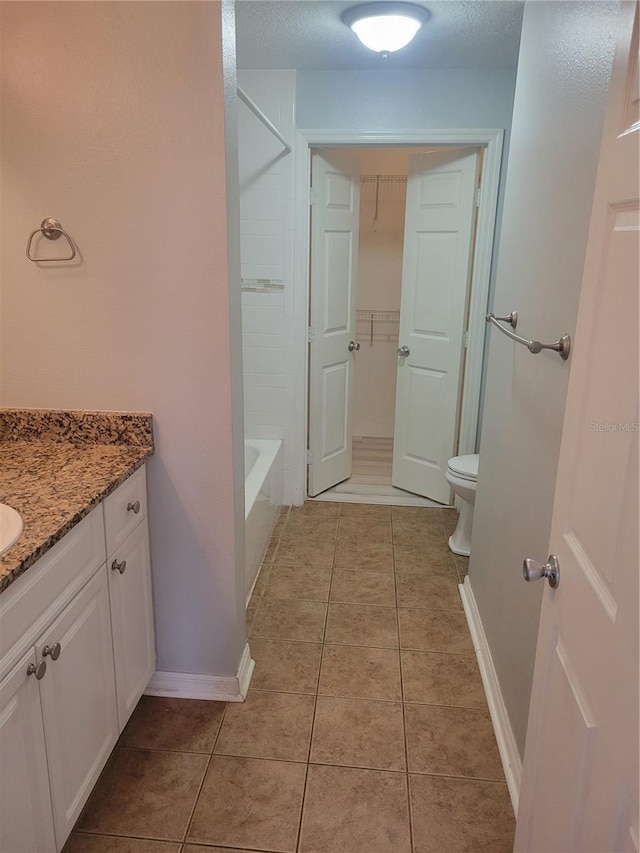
<point>119,567</point>
<point>53,651</point>
<point>37,670</point>
<point>133,507</point>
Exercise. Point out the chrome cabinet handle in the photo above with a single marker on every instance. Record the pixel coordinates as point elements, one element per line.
<point>532,570</point>
<point>119,567</point>
<point>403,352</point>
<point>133,507</point>
<point>53,651</point>
<point>353,345</point>
<point>38,670</point>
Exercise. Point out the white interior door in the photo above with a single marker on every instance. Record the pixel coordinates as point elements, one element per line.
<point>334,258</point>
<point>580,777</point>
<point>438,244</point>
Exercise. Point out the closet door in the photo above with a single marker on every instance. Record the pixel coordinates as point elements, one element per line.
<point>436,268</point>
<point>334,258</point>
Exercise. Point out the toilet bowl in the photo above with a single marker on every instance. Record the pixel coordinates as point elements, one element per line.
<point>462,476</point>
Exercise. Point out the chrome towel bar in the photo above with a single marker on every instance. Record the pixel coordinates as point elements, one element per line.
<point>562,347</point>
<point>51,229</point>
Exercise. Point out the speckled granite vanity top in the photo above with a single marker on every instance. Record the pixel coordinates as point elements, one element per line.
<point>56,466</point>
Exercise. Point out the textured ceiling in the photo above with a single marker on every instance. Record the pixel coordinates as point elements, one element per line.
<point>308,34</point>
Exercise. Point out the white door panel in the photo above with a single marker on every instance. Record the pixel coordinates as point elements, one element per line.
<point>334,257</point>
<point>580,777</point>
<point>438,245</point>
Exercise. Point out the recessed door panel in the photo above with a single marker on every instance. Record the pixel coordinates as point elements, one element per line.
<point>335,393</point>
<point>432,283</point>
<point>338,284</point>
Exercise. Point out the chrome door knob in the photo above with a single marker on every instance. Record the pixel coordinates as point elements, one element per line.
<point>38,670</point>
<point>119,567</point>
<point>353,346</point>
<point>403,352</point>
<point>53,651</point>
<point>532,570</point>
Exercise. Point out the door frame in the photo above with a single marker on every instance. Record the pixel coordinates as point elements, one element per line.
<point>491,140</point>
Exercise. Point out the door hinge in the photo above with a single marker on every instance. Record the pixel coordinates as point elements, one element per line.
<point>476,198</point>
<point>466,339</point>
<point>311,334</point>
<point>308,457</point>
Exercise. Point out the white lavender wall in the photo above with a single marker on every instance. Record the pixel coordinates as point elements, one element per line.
<point>266,225</point>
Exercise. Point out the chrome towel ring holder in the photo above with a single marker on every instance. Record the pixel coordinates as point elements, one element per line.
<point>52,230</point>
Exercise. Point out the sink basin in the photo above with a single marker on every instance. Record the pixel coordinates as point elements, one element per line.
<point>10,527</point>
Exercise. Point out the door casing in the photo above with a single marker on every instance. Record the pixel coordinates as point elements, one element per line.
<point>491,140</point>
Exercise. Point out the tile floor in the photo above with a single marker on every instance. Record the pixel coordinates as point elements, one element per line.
<point>365,729</point>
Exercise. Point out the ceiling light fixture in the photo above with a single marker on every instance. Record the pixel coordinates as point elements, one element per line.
<point>386,27</point>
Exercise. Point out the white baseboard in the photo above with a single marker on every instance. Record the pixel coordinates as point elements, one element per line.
<point>511,761</point>
<point>193,685</point>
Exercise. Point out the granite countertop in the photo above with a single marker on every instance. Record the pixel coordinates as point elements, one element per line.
<point>56,466</point>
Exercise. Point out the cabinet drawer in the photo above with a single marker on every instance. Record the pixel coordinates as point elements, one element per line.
<point>36,597</point>
<point>125,509</point>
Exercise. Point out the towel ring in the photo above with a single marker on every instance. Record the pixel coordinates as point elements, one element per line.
<point>52,230</point>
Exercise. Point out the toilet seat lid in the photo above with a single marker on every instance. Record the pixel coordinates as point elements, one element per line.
<point>465,466</point>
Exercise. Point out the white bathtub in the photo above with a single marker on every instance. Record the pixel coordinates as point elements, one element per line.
<point>263,486</point>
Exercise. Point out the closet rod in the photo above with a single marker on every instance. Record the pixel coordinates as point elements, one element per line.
<point>255,109</point>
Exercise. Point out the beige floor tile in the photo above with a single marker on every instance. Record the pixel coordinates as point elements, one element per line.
<point>362,625</point>
<point>367,513</point>
<point>286,666</point>
<point>200,848</point>
<point>181,725</point>
<point>281,619</point>
<point>365,556</point>
<point>462,566</point>
<point>268,725</point>
<point>435,592</point>
<point>377,588</point>
<point>295,550</point>
<point>433,558</point>
<point>355,811</point>
<point>460,816</point>
<point>262,580</point>
<point>250,614</point>
<point>248,802</point>
<point>358,530</point>
<point>81,842</point>
<point>316,509</point>
<point>442,679</point>
<point>311,527</point>
<point>426,515</point>
<point>434,631</point>
<point>360,673</point>
<point>425,527</point>
<point>452,742</point>
<point>145,793</point>
<point>358,733</point>
<point>450,516</point>
<point>301,582</point>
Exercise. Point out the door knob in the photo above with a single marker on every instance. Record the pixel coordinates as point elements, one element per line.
<point>119,567</point>
<point>403,352</point>
<point>535,571</point>
<point>353,345</point>
<point>133,507</point>
<point>38,670</point>
<point>53,651</point>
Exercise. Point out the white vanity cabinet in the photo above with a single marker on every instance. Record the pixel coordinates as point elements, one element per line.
<point>76,652</point>
<point>129,570</point>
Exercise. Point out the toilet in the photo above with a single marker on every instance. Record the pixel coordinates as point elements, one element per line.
<point>462,476</point>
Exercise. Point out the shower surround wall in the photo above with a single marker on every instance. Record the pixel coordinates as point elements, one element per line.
<point>266,228</point>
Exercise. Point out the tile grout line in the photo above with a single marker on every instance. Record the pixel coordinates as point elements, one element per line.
<point>402,697</point>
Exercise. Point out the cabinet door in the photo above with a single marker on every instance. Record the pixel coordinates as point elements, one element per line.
<point>132,620</point>
<point>78,700</point>
<point>26,821</point>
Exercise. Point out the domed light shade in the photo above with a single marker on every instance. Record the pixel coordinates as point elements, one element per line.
<point>386,27</point>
